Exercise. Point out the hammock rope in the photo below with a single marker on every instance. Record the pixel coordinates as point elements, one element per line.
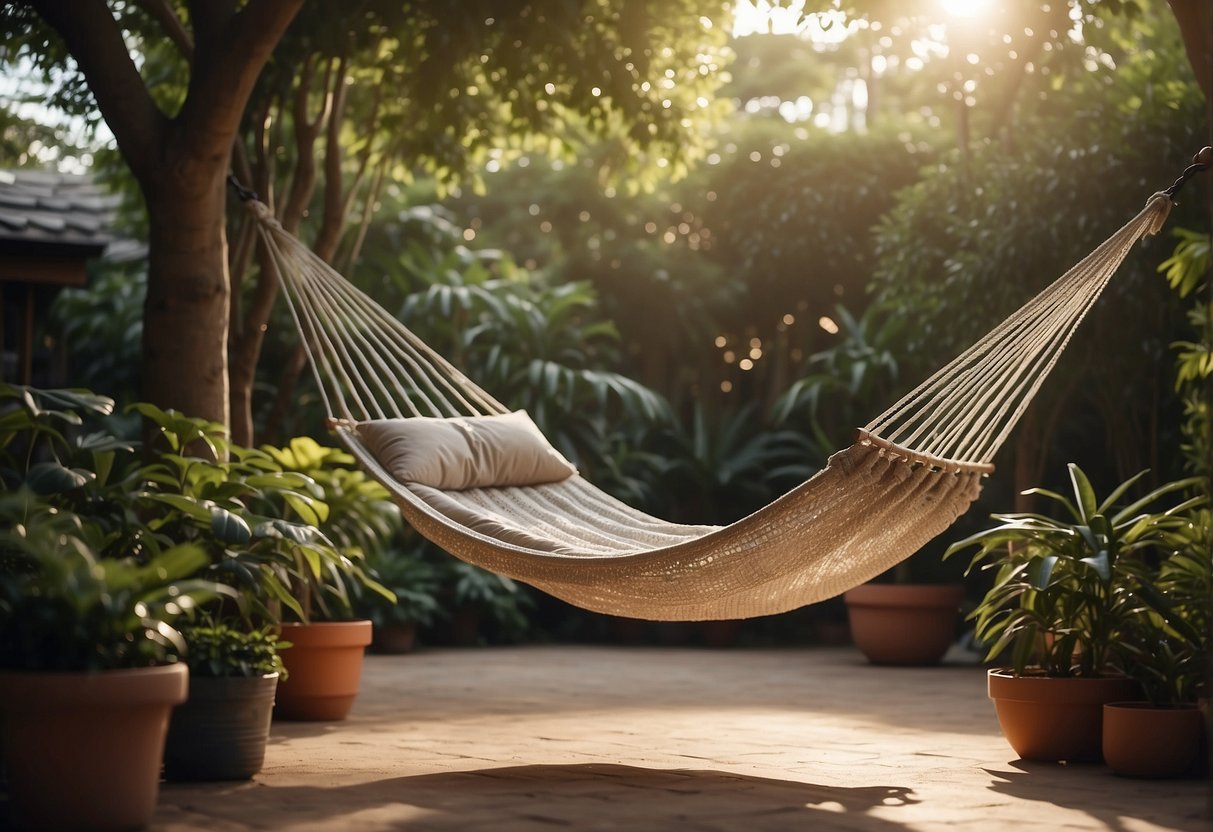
<point>911,472</point>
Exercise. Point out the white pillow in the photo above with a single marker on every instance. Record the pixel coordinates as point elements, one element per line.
<point>465,452</point>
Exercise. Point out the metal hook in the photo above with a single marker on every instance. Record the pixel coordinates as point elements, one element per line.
<point>1200,162</point>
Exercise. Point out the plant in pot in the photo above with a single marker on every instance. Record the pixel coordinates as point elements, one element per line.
<point>484,605</point>
<point>1167,647</point>
<point>909,615</point>
<point>1061,602</point>
<point>87,667</point>
<point>415,582</point>
<point>135,508</point>
<point>258,521</point>
<point>220,732</point>
<point>347,514</point>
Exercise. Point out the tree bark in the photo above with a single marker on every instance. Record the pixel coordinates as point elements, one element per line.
<point>184,347</point>
<point>180,164</point>
<point>1195,18</point>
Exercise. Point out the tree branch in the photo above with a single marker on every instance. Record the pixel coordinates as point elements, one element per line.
<point>94,39</point>
<point>228,60</point>
<point>1195,18</point>
<point>303,177</point>
<point>171,25</point>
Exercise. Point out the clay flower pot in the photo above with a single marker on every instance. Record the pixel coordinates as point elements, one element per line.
<point>1048,718</point>
<point>903,624</point>
<point>221,731</point>
<point>1141,740</point>
<point>324,669</point>
<point>394,639</point>
<point>82,750</point>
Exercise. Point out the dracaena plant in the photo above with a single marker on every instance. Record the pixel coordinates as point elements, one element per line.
<point>1167,640</point>
<point>1064,590</point>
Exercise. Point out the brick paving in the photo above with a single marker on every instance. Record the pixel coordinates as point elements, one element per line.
<point>544,738</point>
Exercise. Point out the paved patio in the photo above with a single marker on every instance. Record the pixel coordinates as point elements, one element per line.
<point>541,738</point>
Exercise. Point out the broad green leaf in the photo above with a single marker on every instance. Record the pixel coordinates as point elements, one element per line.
<point>45,478</point>
<point>228,527</point>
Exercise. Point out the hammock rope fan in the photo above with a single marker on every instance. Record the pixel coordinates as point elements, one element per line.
<point>909,474</point>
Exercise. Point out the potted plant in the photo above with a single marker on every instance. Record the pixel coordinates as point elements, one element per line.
<point>477,596</point>
<point>909,624</point>
<point>265,516</point>
<point>87,667</point>
<point>1060,602</point>
<point>349,514</point>
<point>220,733</point>
<point>415,583</point>
<point>900,618</point>
<point>1167,643</point>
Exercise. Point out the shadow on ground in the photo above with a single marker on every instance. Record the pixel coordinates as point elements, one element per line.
<point>586,796</point>
<point>1118,804</point>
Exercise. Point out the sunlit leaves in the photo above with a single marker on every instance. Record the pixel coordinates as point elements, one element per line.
<point>1068,589</point>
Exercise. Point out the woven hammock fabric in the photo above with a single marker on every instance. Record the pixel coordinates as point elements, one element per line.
<point>912,471</point>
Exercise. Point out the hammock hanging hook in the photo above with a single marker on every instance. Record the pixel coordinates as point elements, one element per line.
<point>1200,162</point>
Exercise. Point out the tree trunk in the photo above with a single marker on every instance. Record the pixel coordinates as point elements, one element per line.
<point>1195,19</point>
<point>186,312</point>
<point>180,163</point>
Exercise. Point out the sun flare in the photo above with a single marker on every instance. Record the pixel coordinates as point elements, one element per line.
<point>966,8</point>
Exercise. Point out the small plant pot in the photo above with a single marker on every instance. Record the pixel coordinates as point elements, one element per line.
<point>1047,718</point>
<point>720,633</point>
<point>324,669</point>
<point>394,639</point>
<point>903,624</point>
<point>221,731</point>
<point>82,750</point>
<point>1141,740</point>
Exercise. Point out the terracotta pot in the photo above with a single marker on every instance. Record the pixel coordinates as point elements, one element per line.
<point>903,624</point>
<point>394,639</point>
<point>83,750</point>
<point>720,633</point>
<point>221,731</point>
<point>627,630</point>
<point>324,669</point>
<point>1048,718</point>
<point>1140,740</point>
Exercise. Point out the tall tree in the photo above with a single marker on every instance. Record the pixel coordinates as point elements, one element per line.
<point>178,155</point>
<point>358,93</point>
<point>373,92</point>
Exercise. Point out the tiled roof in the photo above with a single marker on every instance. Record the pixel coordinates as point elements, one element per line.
<point>58,209</point>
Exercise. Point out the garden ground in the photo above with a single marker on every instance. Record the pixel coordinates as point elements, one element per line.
<point>537,738</point>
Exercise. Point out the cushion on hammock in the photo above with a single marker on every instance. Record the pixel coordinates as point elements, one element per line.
<point>465,452</point>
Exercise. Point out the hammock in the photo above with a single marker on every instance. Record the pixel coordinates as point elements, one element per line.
<point>910,473</point>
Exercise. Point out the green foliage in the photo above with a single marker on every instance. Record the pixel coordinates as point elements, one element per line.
<point>1186,270</point>
<point>1168,639</point>
<point>1066,589</point>
<point>258,519</point>
<point>63,607</point>
<point>217,650</point>
<point>497,598</point>
<point>253,520</point>
<point>80,586</point>
<point>727,464</point>
<point>849,379</point>
<point>101,329</point>
<point>532,344</point>
<point>1188,266</point>
<point>794,215</point>
<point>358,515</point>
<point>414,580</point>
<point>464,92</point>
